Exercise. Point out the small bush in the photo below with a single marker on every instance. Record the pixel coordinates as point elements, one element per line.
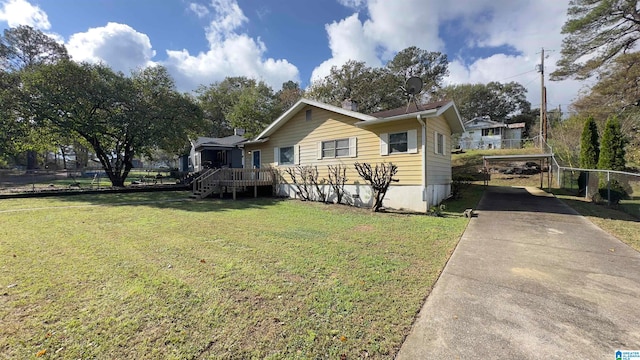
<point>617,190</point>
<point>460,184</point>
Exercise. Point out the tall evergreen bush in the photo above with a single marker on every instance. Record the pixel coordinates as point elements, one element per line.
<point>589,145</point>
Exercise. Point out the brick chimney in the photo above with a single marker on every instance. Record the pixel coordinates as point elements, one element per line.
<point>349,104</point>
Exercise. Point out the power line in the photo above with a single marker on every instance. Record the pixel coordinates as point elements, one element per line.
<point>524,73</point>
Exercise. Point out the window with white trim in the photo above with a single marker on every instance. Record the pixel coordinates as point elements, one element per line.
<point>337,148</point>
<point>439,143</point>
<point>399,143</point>
<point>286,155</point>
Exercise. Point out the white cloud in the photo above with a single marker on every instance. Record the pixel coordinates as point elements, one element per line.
<point>228,18</point>
<point>347,41</point>
<point>21,12</point>
<point>525,25</point>
<point>354,4</point>
<point>200,10</point>
<point>117,45</point>
<point>230,53</point>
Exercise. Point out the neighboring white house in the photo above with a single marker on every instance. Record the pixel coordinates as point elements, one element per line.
<point>484,133</point>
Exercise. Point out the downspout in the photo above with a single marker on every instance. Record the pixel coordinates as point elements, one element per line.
<point>425,195</point>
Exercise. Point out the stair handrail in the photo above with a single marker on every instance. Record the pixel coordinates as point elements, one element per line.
<point>199,182</point>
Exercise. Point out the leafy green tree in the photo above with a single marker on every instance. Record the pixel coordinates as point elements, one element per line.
<point>617,92</point>
<point>21,49</point>
<point>612,152</point>
<point>228,105</point>
<point>254,110</point>
<point>497,100</point>
<point>118,117</point>
<point>589,145</point>
<point>23,46</point>
<point>566,140</point>
<point>596,30</point>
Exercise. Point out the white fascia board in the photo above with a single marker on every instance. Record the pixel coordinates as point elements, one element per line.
<point>304,102</point>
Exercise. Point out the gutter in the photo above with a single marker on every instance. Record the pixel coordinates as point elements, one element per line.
<point>425,195</point>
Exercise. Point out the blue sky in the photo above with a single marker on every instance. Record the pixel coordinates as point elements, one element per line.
<point>202,41</point>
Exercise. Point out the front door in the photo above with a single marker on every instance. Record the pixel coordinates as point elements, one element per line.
<point>256,159</point>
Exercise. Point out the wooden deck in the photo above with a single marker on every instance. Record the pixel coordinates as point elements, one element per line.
<point>222,181</point>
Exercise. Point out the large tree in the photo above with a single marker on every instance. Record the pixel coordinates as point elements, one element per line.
<point>289,94</point>
<point>589,145</point>
<point>373,89</point>
<point>119,117</point>
<point>22,49</point>
<point>430,66</point>
<point>497,100</point>
<point>595,33</point>
<point>238,102</point>
<point>379,88</point>
<point>23,46</point>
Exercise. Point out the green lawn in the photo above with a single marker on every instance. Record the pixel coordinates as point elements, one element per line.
<point>620,221</point>
<point>152,275</point>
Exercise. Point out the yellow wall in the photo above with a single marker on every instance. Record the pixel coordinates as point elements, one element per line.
<point>326,125</point>
<point>438,166</point>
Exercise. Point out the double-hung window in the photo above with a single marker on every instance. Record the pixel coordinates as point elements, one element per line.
<point>337,148</point>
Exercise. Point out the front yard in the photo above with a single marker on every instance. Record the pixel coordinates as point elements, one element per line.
<point>151,275</point>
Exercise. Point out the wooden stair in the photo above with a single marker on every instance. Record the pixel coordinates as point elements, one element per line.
<point>206,184</point>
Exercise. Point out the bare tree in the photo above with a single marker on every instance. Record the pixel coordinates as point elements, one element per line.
<point>337,179</point>
<point>317,183</point>
<point>300,177</point>
<point>379,177</point>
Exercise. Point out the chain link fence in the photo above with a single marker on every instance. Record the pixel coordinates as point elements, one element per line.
<point>490,144</point>
<point>25,181</point>
<point>600,185</point>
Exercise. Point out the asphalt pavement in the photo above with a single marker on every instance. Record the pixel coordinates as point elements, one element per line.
<point>531,279</point>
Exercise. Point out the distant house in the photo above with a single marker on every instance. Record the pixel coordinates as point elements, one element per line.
<point>484,133</point>
<point>214,153</point>
<point>416,139</point>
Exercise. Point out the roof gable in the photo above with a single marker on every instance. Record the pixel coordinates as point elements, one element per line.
<point>299,106</point>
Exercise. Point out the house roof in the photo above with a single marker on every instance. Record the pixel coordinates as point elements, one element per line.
<point>301,104</point>
<point>445,108</point>
<point>411,109</point>
<point>483,123</point>
<point>519,125</point>
<point>228,141</point>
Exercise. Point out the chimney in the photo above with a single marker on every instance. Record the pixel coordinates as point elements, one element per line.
<point>350,105</point>
<point>238,131</point>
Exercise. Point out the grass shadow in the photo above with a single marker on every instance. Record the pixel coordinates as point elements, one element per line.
<point>178,200</point>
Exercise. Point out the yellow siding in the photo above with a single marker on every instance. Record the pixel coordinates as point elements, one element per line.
<point>438,166</point>
<point>326,125</point>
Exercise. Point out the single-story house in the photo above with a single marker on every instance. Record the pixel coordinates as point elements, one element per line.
<point>212,153</point>
<point>484,133</point>
<point>417,138</point>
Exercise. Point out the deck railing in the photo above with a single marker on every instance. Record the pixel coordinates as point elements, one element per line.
<point>231,179</point>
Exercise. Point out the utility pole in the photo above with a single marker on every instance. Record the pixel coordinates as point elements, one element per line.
<point>543,103</point>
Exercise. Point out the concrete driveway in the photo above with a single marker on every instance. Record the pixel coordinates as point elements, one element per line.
<point>531,279</point>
